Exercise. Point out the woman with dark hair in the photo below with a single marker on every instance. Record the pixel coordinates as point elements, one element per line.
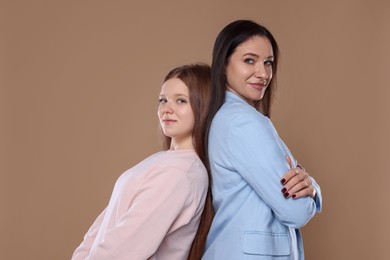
<point>157,205</point>
<point>261,197</point>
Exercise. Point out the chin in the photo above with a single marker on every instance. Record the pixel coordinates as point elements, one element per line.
<point>258,98</point>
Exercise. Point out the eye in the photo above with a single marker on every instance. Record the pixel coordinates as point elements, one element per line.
<point>181,101</point>
<point>269,62</point>
<point>162,100</point>
<point>249,61</point>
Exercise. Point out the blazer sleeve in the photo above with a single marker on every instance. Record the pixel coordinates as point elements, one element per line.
<point>82,251</point>
<point>151,215</point>
<point>258,156</point>
<point>318,197</point>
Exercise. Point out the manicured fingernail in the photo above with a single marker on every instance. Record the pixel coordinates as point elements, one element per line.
<point>283,190</point>
<point>293,196</point>
<point>283,181</point>
<point>286,195</point>
<point>296,171</point>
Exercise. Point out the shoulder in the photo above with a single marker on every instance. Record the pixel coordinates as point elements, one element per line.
<point>165,168</point>
<point>180,159</point>
<point>238,116</point>
<point>188,172</point>
<point>184,162</point>
<point>179,164</point>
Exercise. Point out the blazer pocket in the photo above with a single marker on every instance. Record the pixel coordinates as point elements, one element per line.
<point>265,243</point>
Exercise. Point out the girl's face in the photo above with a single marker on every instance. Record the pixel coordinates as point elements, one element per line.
<point>175,113</point>
<point>249,69</point>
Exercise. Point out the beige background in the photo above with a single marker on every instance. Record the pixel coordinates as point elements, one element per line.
<point>78,97</point>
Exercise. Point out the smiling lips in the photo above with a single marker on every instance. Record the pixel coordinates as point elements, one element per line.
<point>168,120</point>
<point>259,86</point>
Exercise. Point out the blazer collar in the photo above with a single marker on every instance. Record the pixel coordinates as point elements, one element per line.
<point>233,97</point>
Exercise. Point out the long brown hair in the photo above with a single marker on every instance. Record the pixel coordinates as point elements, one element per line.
<point>197,78</point>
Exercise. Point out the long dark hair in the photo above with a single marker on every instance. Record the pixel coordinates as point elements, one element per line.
<point>226,43</point>
<point>197,78</point>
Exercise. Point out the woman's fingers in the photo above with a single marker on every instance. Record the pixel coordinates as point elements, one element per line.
<point>297,184</point>
<point>309,191</point>
<point>289,175</point>
<point>302,188</point>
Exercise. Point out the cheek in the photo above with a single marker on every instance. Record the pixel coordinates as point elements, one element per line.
<point>190,118</point>
<point>231,77</point>
<point>270,73</point>
<point>237,73</point>
<point>192,122</point>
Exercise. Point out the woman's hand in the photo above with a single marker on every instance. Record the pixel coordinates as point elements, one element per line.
<point>296,182</point>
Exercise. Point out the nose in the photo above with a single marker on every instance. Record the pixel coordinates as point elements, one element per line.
<point>261,71</point>
<point>166,108</point>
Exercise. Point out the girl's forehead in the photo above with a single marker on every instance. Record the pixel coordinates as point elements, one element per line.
<point>174,86</point>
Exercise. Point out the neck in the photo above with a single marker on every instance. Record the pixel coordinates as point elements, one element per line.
<point>183,145</point>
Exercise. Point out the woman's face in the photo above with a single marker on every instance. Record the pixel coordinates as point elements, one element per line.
<point>249,69</point>
<point>175,113</point>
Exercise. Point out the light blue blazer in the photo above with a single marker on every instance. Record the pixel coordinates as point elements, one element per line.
<point>248,160</point>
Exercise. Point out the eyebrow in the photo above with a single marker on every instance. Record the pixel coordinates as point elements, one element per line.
<point>257,56</point>
<point>176,95</point>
